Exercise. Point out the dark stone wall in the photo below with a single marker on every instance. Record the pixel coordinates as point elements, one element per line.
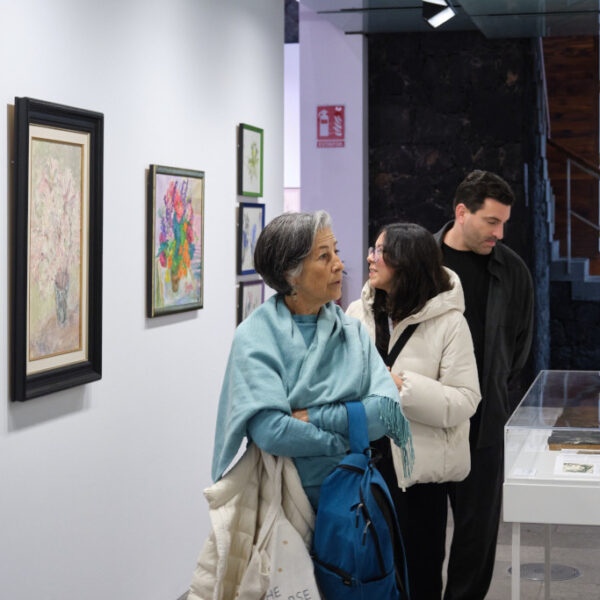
<point>291,22</point>
<point>441,105</point>
<point>540,198</point>
<point>574,327</point>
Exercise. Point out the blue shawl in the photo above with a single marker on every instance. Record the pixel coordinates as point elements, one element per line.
<point>270,367</point>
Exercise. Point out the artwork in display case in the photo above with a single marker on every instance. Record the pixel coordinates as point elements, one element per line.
<point>250,160</point>
<point>251,221</point>
<point>555,430</point>
<point>57,248</point>
<point>175,259</point>
<point>251,295</point>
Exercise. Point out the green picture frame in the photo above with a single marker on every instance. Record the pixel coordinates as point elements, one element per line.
<point>250,160</point>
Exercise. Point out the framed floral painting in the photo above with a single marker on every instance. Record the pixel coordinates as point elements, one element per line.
<point>251,221</point>
<point>175,260</point>
<point>57,248</point>
<point>250,160</point>
<point>251,294</point>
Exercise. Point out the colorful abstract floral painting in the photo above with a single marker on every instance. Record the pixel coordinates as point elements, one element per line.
<point>177,244</point>
<point>55,232</point>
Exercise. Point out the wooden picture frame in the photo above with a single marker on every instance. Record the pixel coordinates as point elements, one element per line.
<point>175,242</point>
<point>250,160</point>
<point>57,248</point>
<point>251,294</point>
<point>251,221</point>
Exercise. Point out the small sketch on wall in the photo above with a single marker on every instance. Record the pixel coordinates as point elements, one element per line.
<point>250,296</point>
<point>250,160</point>
<point>251,221</point>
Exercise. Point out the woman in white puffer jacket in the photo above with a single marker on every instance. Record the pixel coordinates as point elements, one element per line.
<point>436,375</point>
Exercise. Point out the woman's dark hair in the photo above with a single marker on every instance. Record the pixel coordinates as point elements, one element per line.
<point>283,245</point>
<point>414,255</point>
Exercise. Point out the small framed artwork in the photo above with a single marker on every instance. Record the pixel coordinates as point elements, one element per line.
<point>175,261</point>
<point>251,295</point>
<point>250,160</point>
<point>251,221</point>
<point>57,248</point>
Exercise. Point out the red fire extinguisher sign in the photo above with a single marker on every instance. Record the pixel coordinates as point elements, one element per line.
<point>331,125</point>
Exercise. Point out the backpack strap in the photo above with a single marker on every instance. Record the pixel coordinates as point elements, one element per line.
<point>390,359</point>
<point>357,427</point>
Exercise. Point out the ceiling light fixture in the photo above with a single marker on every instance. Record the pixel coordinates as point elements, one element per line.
<point>437,12</point>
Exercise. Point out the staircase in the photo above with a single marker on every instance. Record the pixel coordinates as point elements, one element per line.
<point>583,285</point>
<point>571,70</point>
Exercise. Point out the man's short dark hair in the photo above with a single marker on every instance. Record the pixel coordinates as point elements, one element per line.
<point>479,185</point>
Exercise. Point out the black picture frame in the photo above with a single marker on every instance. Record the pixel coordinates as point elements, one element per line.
<point>46,131</point>
<point>250,160</point>
<point>251,221</point>
<point>247,291</point>
<point>172,288</point>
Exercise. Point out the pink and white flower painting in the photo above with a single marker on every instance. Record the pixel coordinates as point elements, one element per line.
<point>55,230</point>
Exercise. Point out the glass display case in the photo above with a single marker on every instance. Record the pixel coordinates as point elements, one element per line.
<point>552,460</point>
<point>554,434</point>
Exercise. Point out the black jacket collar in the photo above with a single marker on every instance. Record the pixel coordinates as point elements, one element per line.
<point>498,254</point>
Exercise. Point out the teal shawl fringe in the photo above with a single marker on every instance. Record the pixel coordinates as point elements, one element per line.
<point>391,414</point>
<point>270,367</point>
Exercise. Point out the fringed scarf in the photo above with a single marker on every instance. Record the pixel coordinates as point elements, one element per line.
<point>270,367</point>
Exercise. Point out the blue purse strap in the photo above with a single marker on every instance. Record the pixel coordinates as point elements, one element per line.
<point>357,427</point>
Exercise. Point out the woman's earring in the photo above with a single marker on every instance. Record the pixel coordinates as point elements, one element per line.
<point>294,291</point>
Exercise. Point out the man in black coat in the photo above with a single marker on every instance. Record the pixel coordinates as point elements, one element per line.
<point>499,309</point>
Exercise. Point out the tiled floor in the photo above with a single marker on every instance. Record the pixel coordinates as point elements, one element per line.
<point>573,546</point>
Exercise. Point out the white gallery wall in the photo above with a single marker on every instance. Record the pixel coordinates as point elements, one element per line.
<point>291,127</point>
<point>101,485</point>
<point>333,72</point>
<point>291,115</point>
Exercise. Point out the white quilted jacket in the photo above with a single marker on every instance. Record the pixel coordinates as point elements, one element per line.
<point>237,506</point>
<point>441,388</point>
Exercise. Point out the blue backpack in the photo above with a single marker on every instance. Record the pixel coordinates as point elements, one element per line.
<point>357,547</point>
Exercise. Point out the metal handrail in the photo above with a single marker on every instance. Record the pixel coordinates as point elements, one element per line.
<point>582,163</point>
<point>546,104</point>
<point>586,167</point>
<point>586,221</point>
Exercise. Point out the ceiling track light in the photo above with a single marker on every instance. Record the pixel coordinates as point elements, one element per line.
<point>437,12</point>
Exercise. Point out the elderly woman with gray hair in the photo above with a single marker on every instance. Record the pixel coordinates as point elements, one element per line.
<point>298,357</point>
